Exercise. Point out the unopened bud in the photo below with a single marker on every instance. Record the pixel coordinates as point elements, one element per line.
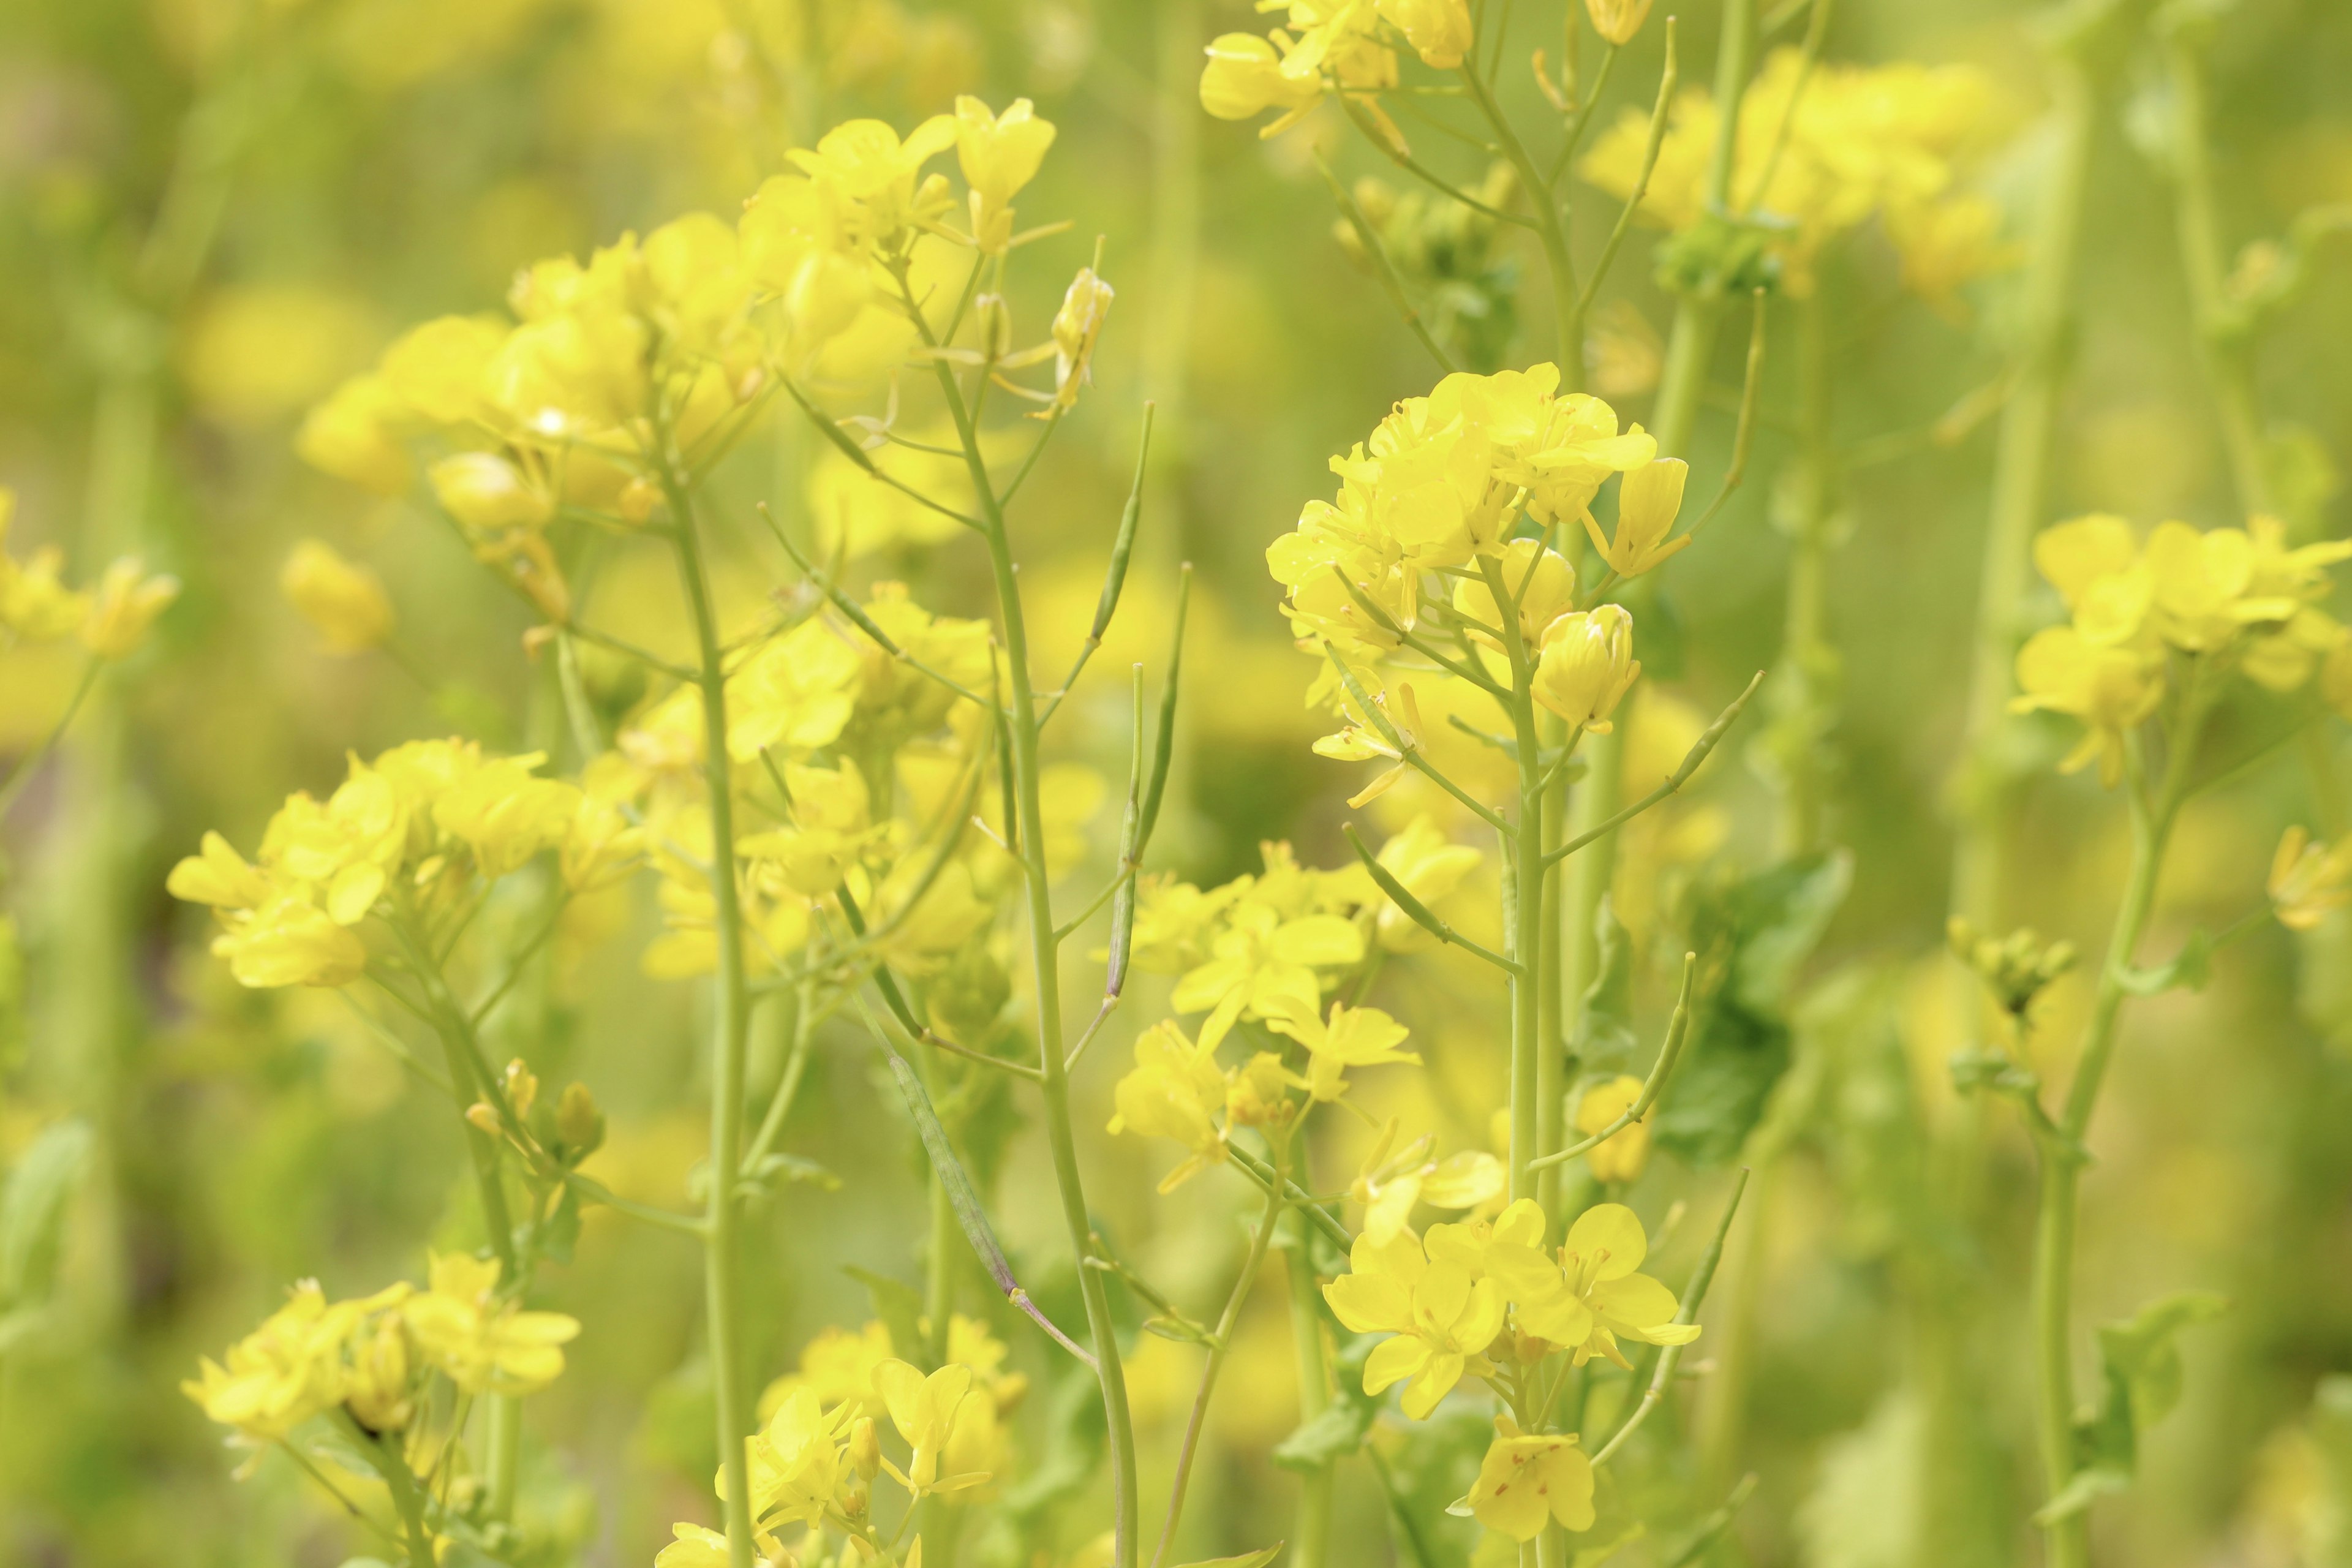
<point>484,1119</point>
<point>578,1120</point>
<point>521,1085</point>
<point>865,1448</point>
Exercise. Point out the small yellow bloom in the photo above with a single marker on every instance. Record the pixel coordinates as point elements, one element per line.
<point>1350,1037</point>
<point>1649,499</point>
<point>487,494</point>
<point>355,436</point>
<point>378,1387</point>
<point>1599,1299</point>
<point>1529,1480</point>
<point>2308,882</point>
<point>344,600</point>
<point>125,604</point>
<point>999,155</point>
<point>1264,965</point>
<point>1076,325</point>
<point>1441,1319</point>
<point>1245,77</point>
<point>2109,688</point>
<point>799,1461</point>
<point>1173,1091</point>
<point>217,875</point>
<point>1438,30</point>
<point>290,941</point>
<point>285,1372</point>
<point>484,1344</point>
<point>1430,866</point>
<point>925,1410</point>
<point>1617,21</point>
<point>1588,666</point>
<point>1621,1158</point>
<point>1540,579</point>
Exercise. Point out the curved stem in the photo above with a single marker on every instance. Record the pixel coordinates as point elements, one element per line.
<point>1022,726</point>
<point>1220,1343</point>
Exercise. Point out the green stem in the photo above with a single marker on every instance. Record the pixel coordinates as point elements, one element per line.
<point>384,1451</point>
<point>729,1044</point>
<point>1551,997</point>
<point>2055,1226</point>
<point>21,773</point>
<point>1310,1542</point>
<point>1559,264</point>
<point>1221,1341</point>
<point>505,1468</point>
<point>1045,970</point>
<point>2228,365</point>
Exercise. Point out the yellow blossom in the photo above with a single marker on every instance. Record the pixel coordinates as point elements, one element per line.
<point>1076,325</point>
<point>355,436</point>
<point>2109,688</point>
<point>1430,867</point>
<point>1649,499</point>
<point>1262,964</point>
<point>1588,666</point>
<point>2308,882</point>
<point>124,607</point>
<point>1617,21</point>
<point>999,155</point>
<point>1531,1479</point>
<point>1540,580</point>
<point>1350,1037</point>
<point>1599,1299</point>
<point>799,1461</point>
<point>1438,30</point>
<point>285,1372</point>
<point>342,600</point>
<point>486,1345</point>
<point>925,1411</point>
<point>1173,1091</point>
<point>289,941</point>
<point>1441,1319</point>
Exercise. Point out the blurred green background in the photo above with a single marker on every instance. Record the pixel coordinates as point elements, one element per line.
<point>211,211</point>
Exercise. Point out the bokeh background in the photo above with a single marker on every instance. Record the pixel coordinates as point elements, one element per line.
<point>211,211</point>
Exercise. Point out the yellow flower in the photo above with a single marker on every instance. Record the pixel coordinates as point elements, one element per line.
<point>2109,688</point>
<point>344,601</point>
<point>125,604</point>
<point>925,1411</point>
<point>1076,325</point>
<point>290,941</point>
<point>1262,964</point>
<point>1649,499</point>
<point>506,814</point>
<point>1529,1480</point>
<point>285,1372</point>
<point>435,370</point>
<point>354,435</point>
<point>1245,76</point>
<point>378,1388</point>
<point>1617,21</point>
<point>799,1461</point>
<point>2308,882</point>
<point>1441,1319</point>
<point>217,875</point>
<point>1438,30</point>
<point>838,1365</point>
<point>1350,1037</point>
<point>863,165</point>
<point>693,1546</point>
<point>1599,1299</point>
<point>2197,582</point>
<point>999,155</point>
<point>1173,1091</point>
<point>1588,666</point>
<point>1621,1157</point>
<point>487,494</point>
<point>484,1344</point>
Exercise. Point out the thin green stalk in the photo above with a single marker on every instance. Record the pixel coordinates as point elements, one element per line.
<point>1552,999</point>
<point>1310,1541</point>
<point>467,1072</point>
<point>2056,1221</point>
<point>21,773</point>
<point>1524,906</point>
<point>1222,1341</point>
<point>2228,353</point>
<point>1559,264</point>
<point>504,1470</point>
<point>1022,725</point>
<point>730,1044</point>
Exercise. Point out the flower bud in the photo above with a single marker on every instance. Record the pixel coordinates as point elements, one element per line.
<point>354,435</point>
<point>1617,20</point>
<point>1588,666</point>
<point>483,1118</point>
<point>521,1085</point>
<point>1541,580</point>
<point>124,605</point>
<point>344,601</point>
<point>487,494</point>
<point>579,1123</point>
<point>865,1448</point>
<point>1438,30</point>
<point>378,1392</point>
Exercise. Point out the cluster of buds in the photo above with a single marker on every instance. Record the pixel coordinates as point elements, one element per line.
<point>2015,968</point>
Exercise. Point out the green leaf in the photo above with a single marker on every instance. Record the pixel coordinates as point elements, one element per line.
<point>2188,972</point>
<point>898,1305</point>
<point>32,1208</point>
<point>1604,1039</point>
<point>1259,1559</point>
<point>1341,1428</point>
<point>1752,933</point>
<point>2141,1375</point>
<point>1077,1438</point>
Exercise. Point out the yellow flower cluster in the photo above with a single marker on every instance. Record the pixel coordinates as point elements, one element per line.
<point>369,1356</point>
<point>819,1448</point>
<point>2238,596</point>
<point>1895,141</point>
<point>613,378</point>
<point>1444,1298</point>
<point>37,606</point>
<point>409,836</point>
